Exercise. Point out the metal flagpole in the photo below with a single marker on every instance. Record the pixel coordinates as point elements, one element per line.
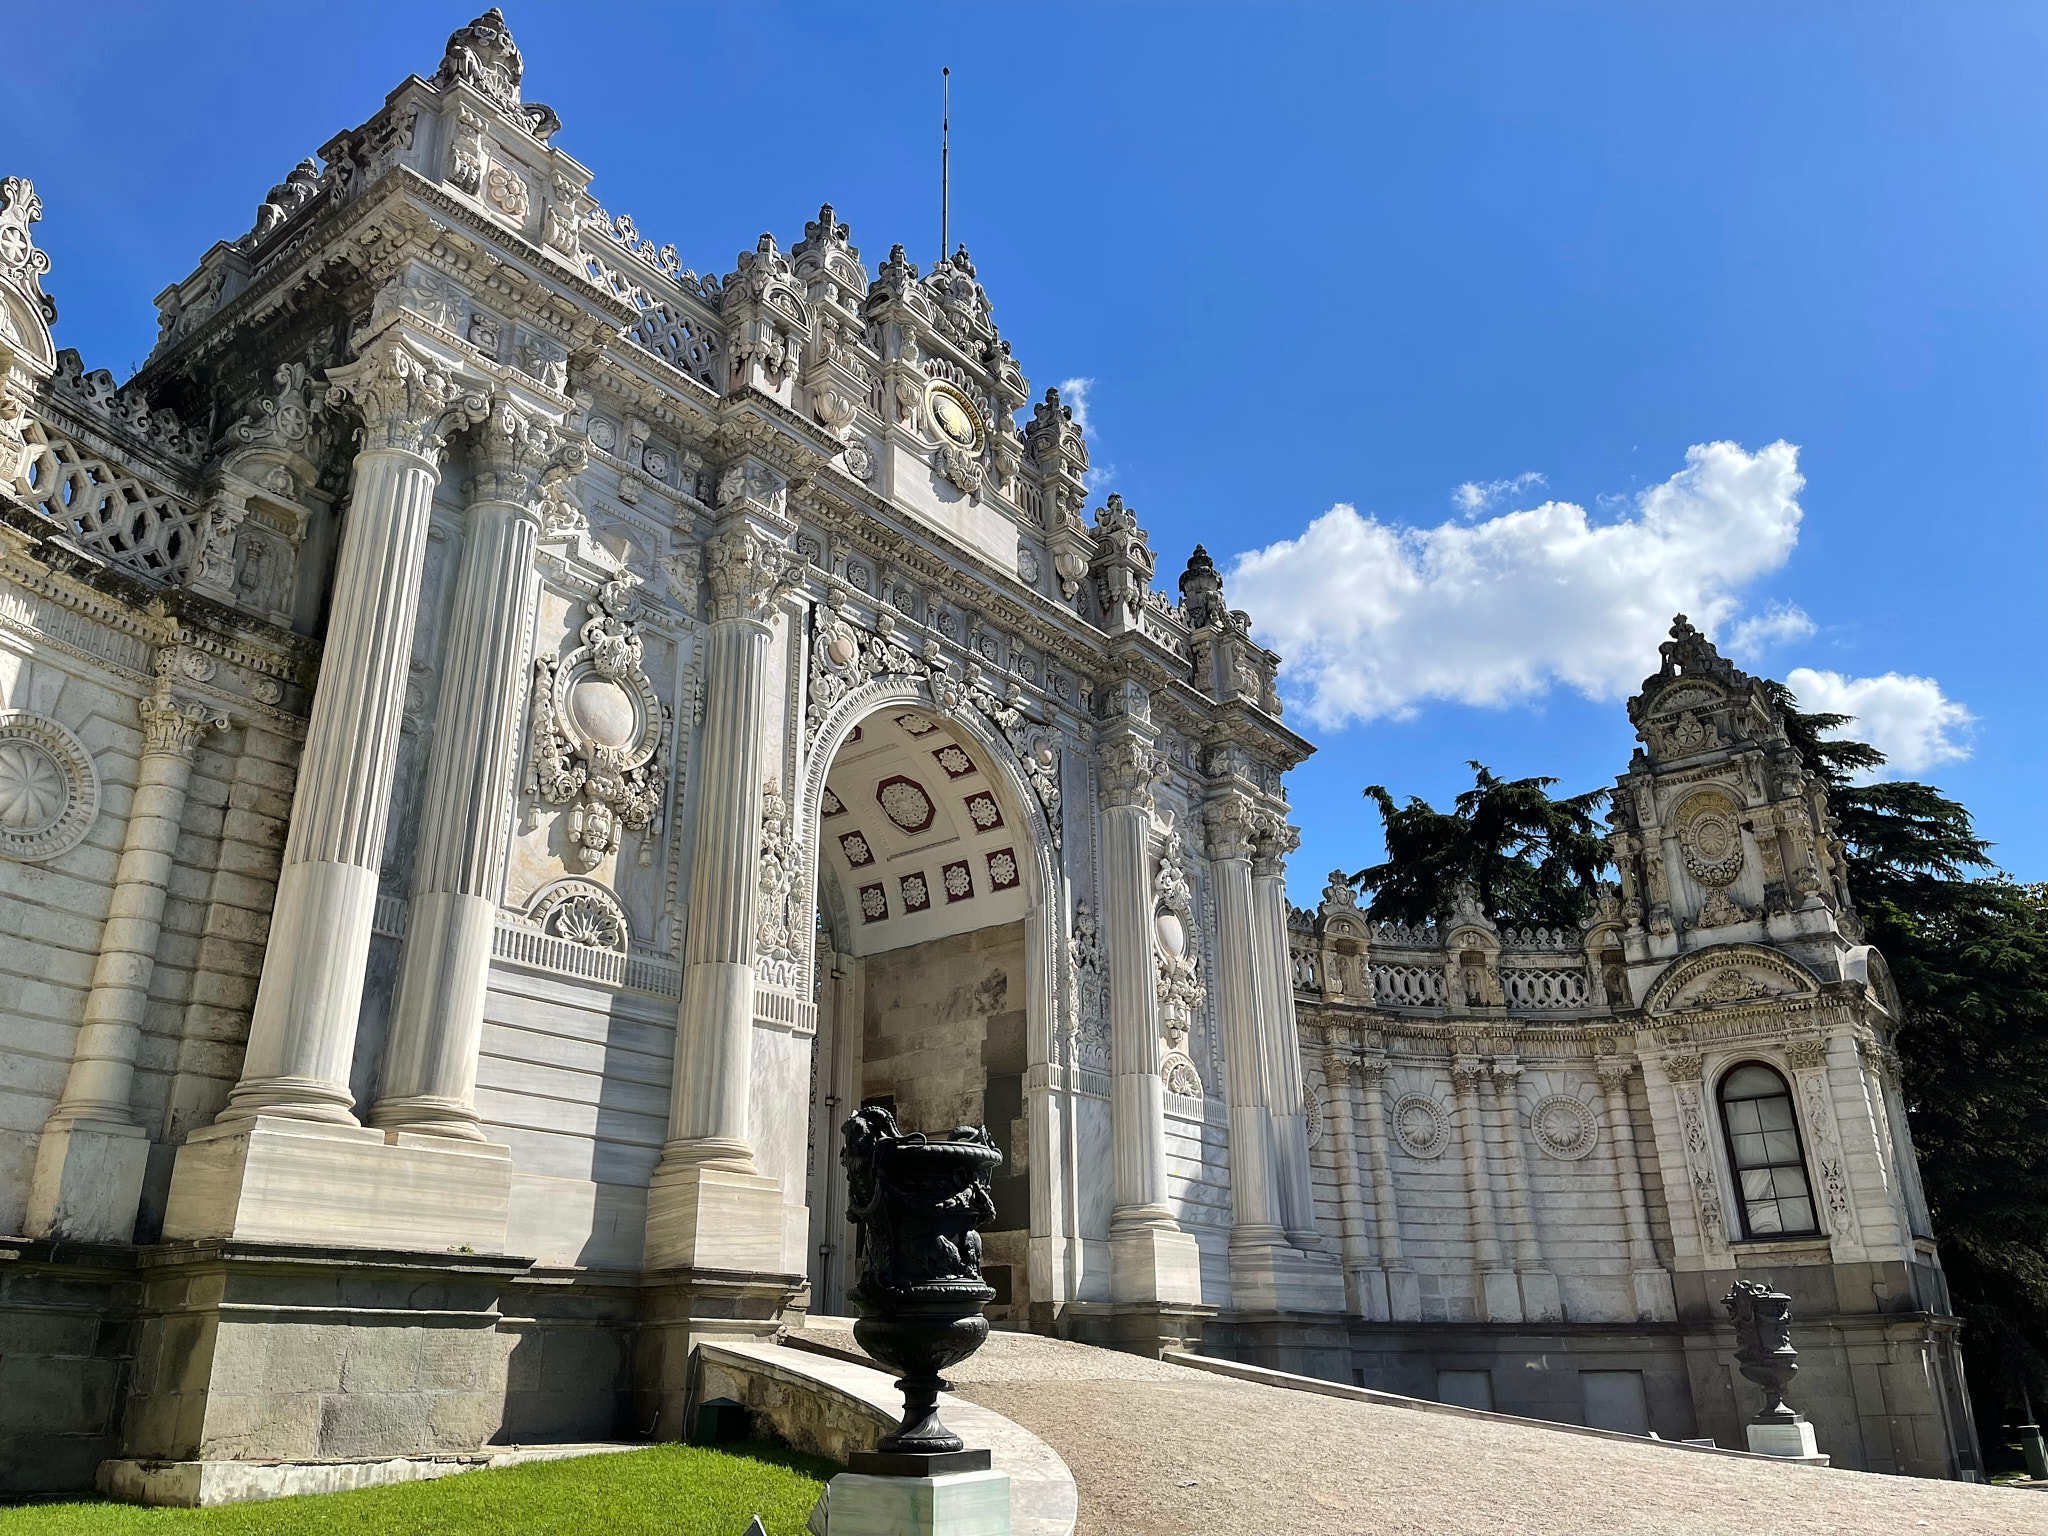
<point>945,152</point>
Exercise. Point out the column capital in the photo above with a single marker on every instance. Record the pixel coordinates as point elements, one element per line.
<point>174,728</point>
<point>1128,770</point>
<point>749,574</point>
<point>1233,822</point>
<point>517,450</point>
<point>1614,1072</point>
<point>408,398</point>
<point>1274,839</point>
<point>1372,1070</point>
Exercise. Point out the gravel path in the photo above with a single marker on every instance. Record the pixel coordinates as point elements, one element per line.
<point>1162,1450</point>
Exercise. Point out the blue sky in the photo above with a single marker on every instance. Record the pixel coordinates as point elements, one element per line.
<point>1324,267</point>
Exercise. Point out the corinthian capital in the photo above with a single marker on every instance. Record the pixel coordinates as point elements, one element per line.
<point>749,575</point>
<point>407,399</point>
<point>1233,826</point>
<point>1273,840</point>
<point>1128,770</point>
<point>171,727</point>
<point>516,449</point>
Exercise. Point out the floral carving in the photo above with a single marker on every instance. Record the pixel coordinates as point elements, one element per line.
<point>49,791</point>
<point>581,912</point>
<point>1177,985</point>
<point>775,925</point>
<point>599,737</point>
<point>1087,993</point>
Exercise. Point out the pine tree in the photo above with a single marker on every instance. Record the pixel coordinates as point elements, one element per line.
<point>1529,858</point>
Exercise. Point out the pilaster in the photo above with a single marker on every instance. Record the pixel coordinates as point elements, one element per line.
<point>1540,1300</point>
<point>91,1156</point>
<point>1404,1289</point>
<point>1649,1280</point>
<point>1151,1259</point>
<point>1498,1297</point>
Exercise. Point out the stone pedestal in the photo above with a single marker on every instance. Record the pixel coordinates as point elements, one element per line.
<point>1791,1438</point>
<point>273,1178</point>
<point>1279,1277</point>
<point>1154,1264</point>
<point>704,1217</point>
<point>960,1504</point>
<point>88,1180</point>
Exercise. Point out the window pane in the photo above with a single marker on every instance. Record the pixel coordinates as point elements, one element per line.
<point>1774,1114</point>
<point>1750,1081</point>
<point>1756,1185</point>
<point>1798,1215</point>
<point>1779,1146</point>
<point>1743,1116</point>
<point>1763,1217</point>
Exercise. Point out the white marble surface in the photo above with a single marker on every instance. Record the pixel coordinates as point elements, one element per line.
<point>963,1504</point>
<point>275,1179</point>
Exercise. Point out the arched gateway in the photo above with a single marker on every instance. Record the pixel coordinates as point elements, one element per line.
<point>423,782</point>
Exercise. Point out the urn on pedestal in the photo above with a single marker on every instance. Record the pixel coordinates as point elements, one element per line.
<point>1764,1353</point>
<point>917,1202</point>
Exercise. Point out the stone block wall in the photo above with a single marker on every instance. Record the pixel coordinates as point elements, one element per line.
<point>943,1036</point>
<point>215,921</point>
<point>67,1345</point>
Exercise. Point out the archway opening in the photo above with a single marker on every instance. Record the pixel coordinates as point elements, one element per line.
<point>925,870</point>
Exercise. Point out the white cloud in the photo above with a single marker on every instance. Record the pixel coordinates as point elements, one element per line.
<point>1074,395</point>
<point>1476,496</point>
<point>1762,633</point>
<point>1374,618</point>
<point>1908,719</point>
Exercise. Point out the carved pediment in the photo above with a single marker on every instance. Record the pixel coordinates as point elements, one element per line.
<point>1730,976</point>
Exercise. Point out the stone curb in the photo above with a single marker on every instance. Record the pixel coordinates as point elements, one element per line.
<point>1290,1382</point>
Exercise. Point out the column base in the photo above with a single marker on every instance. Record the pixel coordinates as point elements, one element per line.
<point>702,1217</point>
<point>1138,1328</point>
<point>1540,1300</point>
<point>1655,1302</point>
<point>1278,1277</point>
<point>1366,1293</point>
<point>1154,1264</point>
<point>274,1179</point>
<point>1404,1295</point>
<point>88,1181</point>
<point>1500,1296</point>
<point>960,1504</point>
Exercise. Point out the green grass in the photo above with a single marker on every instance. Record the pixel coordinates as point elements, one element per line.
<point>665,1490</point>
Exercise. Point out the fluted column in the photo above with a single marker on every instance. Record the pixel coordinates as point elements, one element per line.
<point>1539,1286</point>
<point>1275,983</point>
<point>430,1056</point>
<point>1650,1281</point>
<point>90,1159</point>
<point>1499,1299</point>
<point>1151,1259</point>
<point>709,1206</point>
<point>1254,1193</point>
<point>302,1032</point>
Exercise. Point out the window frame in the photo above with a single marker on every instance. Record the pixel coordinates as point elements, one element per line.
<point>1735,1166</point>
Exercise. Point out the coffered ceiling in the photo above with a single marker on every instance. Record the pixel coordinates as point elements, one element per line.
<point>920,837</point>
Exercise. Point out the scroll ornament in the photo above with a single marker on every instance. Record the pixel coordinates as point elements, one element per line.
<point>600,735</point>
<point>1179,991</point>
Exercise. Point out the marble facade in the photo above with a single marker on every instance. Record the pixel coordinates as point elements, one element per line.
<point>504,740</point>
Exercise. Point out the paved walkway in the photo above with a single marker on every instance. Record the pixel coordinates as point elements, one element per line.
<point>1162,1450</point>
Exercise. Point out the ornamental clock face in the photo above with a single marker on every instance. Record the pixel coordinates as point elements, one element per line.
<point>953,416</point>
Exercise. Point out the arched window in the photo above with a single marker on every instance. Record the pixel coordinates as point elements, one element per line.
<point>1764,1151</point>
